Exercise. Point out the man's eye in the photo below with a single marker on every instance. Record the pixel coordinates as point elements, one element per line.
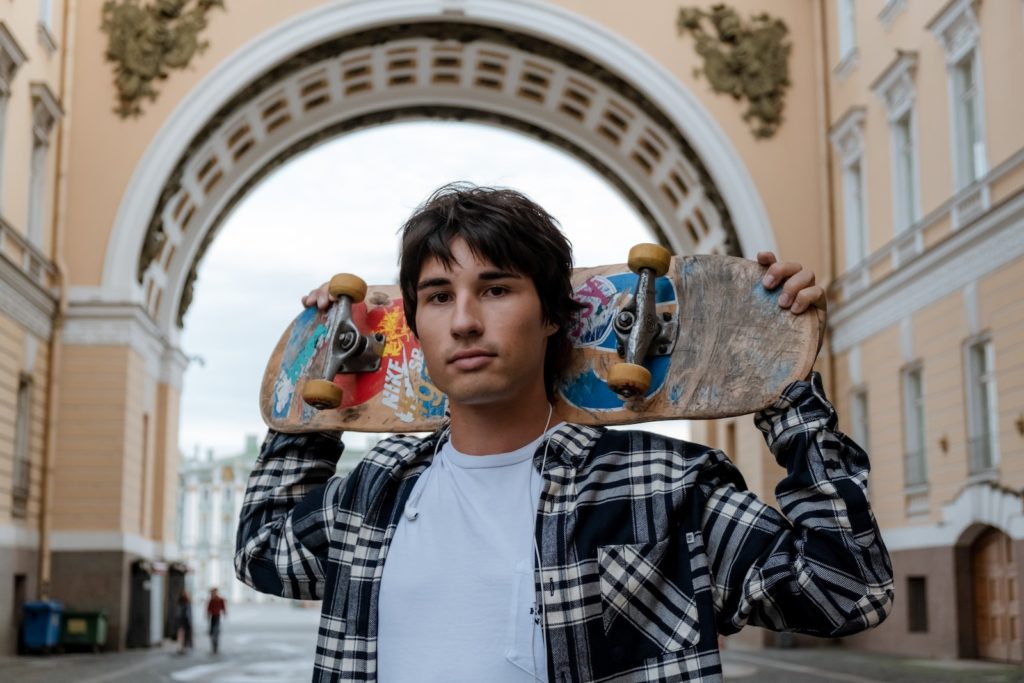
<point>439,298</point>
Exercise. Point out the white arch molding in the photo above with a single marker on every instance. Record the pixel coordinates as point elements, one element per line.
<point>554,25</point>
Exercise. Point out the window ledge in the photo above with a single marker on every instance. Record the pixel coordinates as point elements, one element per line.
<point>46,38</point>
<point>846,64</point>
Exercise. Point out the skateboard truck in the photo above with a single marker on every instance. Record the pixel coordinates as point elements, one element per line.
<point>350,350</point>
<point>638,327</point>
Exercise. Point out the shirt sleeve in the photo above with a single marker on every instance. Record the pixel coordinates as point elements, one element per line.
<point>820,567</point>
<point>287,512</point>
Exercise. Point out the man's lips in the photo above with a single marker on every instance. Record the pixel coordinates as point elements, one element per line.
<point>470,359</point>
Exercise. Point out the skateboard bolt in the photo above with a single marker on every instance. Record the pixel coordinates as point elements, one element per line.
<point>347,339</point>
<point>624,321</point>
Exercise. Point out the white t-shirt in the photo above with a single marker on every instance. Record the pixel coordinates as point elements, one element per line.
<point>457,595</point>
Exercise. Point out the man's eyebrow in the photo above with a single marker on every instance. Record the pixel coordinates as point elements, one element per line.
<point>432,282</point>
<point>499,275</point>
<point>487,275</point>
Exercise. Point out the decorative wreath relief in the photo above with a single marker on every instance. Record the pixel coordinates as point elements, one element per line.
<point>145,41</point>
<point>749,61</point>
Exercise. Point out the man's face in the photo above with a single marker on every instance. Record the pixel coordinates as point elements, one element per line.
<point>481,330</point>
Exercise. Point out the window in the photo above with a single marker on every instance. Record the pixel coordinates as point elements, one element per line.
<point>957,29</point>
<point>11,58</point>
<point>913,427</point>
<point>45,113</point>
<point>853,202</point>
<point>847,136</point>
<point>847,28</point>
<point>917,604</point>
<point>982,417</point>
<point>905,196</point>
<point>895,87</point>
<point>970,145</point>
<point>21,478</point>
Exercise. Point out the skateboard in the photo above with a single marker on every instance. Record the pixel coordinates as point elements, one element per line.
<point>660,337</point>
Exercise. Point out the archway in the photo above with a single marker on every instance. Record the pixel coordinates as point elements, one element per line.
<point>536,69</point>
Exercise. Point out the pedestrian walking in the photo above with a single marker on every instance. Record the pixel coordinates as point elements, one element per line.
<point>216,608</point>
<point>183,618</point>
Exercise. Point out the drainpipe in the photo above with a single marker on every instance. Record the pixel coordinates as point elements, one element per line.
<point>54,355</point>
<point>825,175</point>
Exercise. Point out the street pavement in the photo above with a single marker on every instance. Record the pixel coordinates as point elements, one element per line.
<point>273,643</point>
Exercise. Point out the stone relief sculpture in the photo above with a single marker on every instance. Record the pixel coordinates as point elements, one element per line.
<point>145,41</point>
<point>749,61</point>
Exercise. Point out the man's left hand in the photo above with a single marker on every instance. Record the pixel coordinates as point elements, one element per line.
<point>798,289</point>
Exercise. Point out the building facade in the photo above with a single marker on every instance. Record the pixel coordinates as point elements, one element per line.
<point>875,141</point>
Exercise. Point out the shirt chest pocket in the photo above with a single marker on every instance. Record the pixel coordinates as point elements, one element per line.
<point>646,599</point>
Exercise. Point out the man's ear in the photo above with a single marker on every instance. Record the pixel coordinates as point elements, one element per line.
<point>551,329</point>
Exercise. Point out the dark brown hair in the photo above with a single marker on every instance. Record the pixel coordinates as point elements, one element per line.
<point>509,230</point>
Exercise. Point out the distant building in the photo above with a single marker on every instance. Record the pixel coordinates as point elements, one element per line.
<point>210,493</point>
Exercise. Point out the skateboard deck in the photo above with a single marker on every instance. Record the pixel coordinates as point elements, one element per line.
<point>726,348</point>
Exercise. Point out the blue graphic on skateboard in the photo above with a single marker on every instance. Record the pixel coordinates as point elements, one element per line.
<point>594,337</point>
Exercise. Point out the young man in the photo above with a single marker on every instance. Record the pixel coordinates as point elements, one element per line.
<point>509,547</point>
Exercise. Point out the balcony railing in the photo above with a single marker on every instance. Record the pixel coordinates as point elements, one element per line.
<point>963,207</point>
<point>27,257</point>
<point>914,470</point>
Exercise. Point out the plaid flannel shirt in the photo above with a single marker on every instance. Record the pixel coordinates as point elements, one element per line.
<point>649,546</point>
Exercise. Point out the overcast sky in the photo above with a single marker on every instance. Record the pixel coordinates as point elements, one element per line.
<point>337,208</point>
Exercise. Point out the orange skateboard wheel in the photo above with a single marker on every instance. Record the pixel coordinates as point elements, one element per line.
<point>321,394</point>
<point>628,379</point>
<point>345,284</point>
<point>653,256</point>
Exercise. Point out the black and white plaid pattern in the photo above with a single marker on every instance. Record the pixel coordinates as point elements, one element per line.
<point>649,546</point>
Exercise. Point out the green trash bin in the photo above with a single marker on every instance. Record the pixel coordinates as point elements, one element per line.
<point>84,629</point>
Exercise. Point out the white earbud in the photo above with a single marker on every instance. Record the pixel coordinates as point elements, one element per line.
<point>411,513</point>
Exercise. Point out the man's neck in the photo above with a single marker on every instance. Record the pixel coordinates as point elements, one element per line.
<point>498,428</point>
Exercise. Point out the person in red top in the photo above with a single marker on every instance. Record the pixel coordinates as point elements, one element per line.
<point>215,609</point>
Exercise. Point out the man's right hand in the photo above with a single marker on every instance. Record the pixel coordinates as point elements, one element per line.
<point>319,297</point>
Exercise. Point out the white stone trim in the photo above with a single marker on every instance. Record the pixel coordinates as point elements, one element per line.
<point>115,325</point>
<point>18,536</point>
<point>25,302</point>
<point>907,340</point>
<point>956,28</point>
<point>847,135</point>
<point>46,111</point>
<point>11,59</point>
<point>968,255</point>
<point>890,11</point>
<point>547,22</point>
<point>976,504</point>
<point>173,367</point>
<point>971,307</point>
<point>895,86</point>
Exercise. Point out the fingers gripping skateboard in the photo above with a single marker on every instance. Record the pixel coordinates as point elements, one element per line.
<point>637,325</point>
<point>351,351</point>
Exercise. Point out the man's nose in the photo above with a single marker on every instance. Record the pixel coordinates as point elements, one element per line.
<point>466,320</point>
